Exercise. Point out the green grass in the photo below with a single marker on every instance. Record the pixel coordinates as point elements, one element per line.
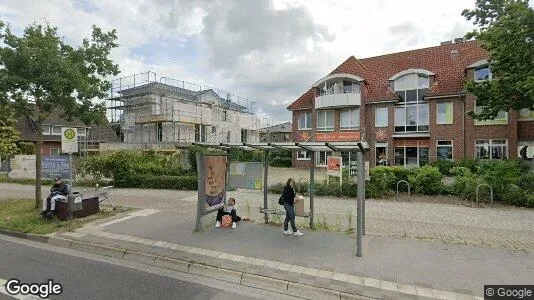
<point>20,215</point>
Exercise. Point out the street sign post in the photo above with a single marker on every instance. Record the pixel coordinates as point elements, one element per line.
<point>69,144</point>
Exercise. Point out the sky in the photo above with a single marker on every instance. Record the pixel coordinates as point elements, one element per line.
<point>268,51</point>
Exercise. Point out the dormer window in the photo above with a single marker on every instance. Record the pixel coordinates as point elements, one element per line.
<point>482,74</point>
<point>411,87</point>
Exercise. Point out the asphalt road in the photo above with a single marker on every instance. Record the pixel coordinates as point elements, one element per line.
<point>88,276</point>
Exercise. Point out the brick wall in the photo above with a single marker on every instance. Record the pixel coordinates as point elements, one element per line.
<point>45,150</point>
<point>525,130</point>
<point>447,132</point>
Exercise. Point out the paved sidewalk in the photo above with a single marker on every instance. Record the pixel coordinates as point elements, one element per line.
<point>436,266</point>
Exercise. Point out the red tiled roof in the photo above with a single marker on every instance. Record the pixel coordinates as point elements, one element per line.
<point>376,71</point>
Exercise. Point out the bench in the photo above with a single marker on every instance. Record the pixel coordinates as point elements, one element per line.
<point>83,207</point>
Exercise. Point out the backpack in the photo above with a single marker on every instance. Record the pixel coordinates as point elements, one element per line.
<point>281,200</point>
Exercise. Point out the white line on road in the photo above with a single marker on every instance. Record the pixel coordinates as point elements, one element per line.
<point>21,297</point>
<point>140,213</point>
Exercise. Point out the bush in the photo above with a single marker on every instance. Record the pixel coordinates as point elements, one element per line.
<point>530,200</point>
<point>427,180</point>
<point>526,182</point>
<point>514,195</point>
<point>499,174</point>
<point>460,171</point>
<point>444,166</point>
<point>468,163</point>
<point>282,162</point>
<point>380,185</point>
<point>158,182</point>
<point>465,186</point>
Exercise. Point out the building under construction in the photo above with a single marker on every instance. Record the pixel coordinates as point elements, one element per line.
<point>163,113</point>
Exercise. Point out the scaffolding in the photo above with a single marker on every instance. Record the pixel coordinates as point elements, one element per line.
<point>170,113</point>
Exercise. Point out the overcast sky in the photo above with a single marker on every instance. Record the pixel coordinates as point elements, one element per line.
<point>269,51</point>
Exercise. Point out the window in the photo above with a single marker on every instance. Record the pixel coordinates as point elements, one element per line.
<point>483,74</point>
<point>501,118</point>
<point>303,155</point>
<point>444,113</point>
<point>321,157</point>
<point>347,158</point>
<point>381,117</point>
<point>200,133</point>
<point>350,118</point>
<point>444,150</point>
<point>244,136</point>
<point>411,156</point>
<point>412,114</point>
<point>46,129</point>
<point>305,121</point>
<point>56,130</point>
<point>325,120</point>
<point>55,151</point>
<point>491,149</point>
<point>80,131</point>
<point>381,154</point>
<point>351,87</point>
<point>160,132</point>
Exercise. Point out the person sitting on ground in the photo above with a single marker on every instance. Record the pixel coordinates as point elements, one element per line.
<point>230,210</point>
<point>59,191</point>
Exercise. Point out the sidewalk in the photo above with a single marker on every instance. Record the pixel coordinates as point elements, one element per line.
<point>390,267</point>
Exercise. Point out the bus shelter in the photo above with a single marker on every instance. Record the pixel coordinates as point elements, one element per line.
<point>311,147</point>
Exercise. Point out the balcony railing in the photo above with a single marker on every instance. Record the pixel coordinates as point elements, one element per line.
<point>341,98</point>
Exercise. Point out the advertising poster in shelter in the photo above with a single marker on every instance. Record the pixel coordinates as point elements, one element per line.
<point>333,167</point>
<point>215,181</point>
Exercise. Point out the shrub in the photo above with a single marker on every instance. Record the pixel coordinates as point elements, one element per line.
<point>427,180</point>
<point>526,182</point>
<point>514,195</point>
<point>380,185</point>
<point>283,162</point>
<point>158,182</point>
<point>468,163</point>
<point>499,174</point>
<point>465,186</point>
<point>444,166</point>
<point>460,171</point>
<point>530,200</point>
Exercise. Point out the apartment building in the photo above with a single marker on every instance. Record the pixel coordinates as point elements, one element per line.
<point>171,114</point>
<point>411,107</point>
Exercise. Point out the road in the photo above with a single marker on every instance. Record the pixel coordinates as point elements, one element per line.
<point>89,276</point>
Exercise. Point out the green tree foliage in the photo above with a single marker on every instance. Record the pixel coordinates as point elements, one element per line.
<point>42,73</point>
<point>9,136</point>
<point>505,28</point>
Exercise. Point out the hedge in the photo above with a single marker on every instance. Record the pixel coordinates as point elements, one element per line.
<point>158,182</point>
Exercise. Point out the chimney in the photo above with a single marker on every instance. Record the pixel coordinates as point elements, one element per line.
<point>446,43</point>
<point>458,40</point>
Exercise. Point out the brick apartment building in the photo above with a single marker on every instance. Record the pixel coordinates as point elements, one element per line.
<point>411,108</point>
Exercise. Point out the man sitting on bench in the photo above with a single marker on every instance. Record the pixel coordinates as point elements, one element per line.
<point>59,191</point>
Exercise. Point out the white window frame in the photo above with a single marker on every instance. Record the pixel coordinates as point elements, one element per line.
<point>325,112</point>
<point>318,155</point>
<point>47,132</point>
<point>399,85</point>
<point>490,145</point>
<point>306,155</point>
<point>445,122</point>
<point>84,131</point>
<point>418,123</point>
<point>350,111</point>
<point>52,130</point>
<point>482,80</point>
<point>445,146</point>
<point>307,120</point>
<point>381,109</point>
<point>56,149</point>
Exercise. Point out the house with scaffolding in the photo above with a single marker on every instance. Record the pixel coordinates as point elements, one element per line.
<point>168,114</point>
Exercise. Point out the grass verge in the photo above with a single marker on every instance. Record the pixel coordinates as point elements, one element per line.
<point>20,215</point>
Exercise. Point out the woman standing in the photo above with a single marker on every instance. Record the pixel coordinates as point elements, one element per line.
<point>289,197</point>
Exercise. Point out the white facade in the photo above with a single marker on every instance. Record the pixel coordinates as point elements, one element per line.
<point>160,116</point>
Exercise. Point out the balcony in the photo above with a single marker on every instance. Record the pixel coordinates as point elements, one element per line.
<point>338,100</point>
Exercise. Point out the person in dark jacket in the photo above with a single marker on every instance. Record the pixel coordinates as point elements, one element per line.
<point>59,191</point>
<point>289,197</point>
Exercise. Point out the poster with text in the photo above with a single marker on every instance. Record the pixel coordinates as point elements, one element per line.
<point>215,181</point>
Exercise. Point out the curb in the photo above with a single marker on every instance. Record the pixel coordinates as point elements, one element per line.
<point>209,266</point>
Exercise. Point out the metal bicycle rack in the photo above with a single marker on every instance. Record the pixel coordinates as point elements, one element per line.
<point>491,192</point>
<point>407,183</point>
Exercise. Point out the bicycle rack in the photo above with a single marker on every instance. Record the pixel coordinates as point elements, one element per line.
<point>407,183</point>
<point>491,192</point>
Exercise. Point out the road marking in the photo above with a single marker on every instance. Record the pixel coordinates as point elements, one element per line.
<point>21,297</point>
<point>139,213</point>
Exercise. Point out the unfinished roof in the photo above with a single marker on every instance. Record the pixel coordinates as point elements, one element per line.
<point>447,62</point>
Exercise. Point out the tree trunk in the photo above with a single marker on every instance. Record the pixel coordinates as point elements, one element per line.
<point>38,158</point>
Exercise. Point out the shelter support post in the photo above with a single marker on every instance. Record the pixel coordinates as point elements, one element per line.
<point>363,196</point>
<point>360,195</point>
<point>201,188</point>
<point>312,188</point>
<point>265,177</point>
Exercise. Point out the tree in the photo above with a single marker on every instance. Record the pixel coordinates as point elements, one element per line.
<point>505,28</point>
<point>9,136</point>
<point>41,73</point>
